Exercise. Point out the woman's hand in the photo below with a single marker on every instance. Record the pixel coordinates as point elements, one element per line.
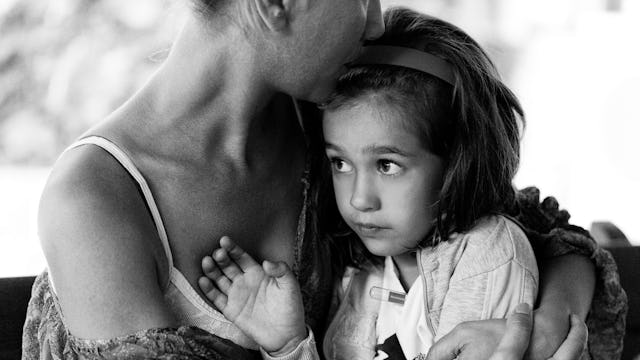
<point>263,301</point>
<point>550,328</point>
<point>489,339</point>
<point>513,343</point>
<point>516,338</point>
<point>470,340</point>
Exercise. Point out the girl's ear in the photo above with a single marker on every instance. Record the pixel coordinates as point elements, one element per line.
<point>274,13</point>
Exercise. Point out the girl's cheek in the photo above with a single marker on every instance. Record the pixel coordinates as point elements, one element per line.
<point>341,193</point>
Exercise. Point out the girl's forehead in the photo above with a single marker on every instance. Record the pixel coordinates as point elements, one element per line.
<point>367,123</point>
<point>371,112</point>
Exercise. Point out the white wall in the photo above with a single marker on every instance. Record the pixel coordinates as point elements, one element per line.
<point>575,67</point>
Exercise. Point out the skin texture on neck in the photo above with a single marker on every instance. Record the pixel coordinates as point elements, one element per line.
<point>407,265</point>
<point>211,93</point>
<point>208,129</point>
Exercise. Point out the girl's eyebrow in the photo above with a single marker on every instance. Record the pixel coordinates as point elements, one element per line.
<point>373,149</point>
<point>328,145</point>
<point>386,149</point>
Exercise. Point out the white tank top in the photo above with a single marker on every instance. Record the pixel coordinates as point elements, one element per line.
<point>183,301</point>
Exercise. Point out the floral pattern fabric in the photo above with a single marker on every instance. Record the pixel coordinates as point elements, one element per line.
<point>551,235</point>
<point>46,337</point>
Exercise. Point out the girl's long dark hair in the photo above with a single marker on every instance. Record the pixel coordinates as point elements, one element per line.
<point>474,125</point>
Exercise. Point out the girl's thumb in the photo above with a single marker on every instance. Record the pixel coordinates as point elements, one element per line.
<point>278,270</point>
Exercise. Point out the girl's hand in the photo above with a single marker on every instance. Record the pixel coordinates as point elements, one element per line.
<point>486,338</point>
<point>263,301</point>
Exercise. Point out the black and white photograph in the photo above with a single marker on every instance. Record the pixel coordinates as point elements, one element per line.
<point>320,179</point>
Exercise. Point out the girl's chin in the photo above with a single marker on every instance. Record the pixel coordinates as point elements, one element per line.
<point>387,246</point>
<point>378,249</point>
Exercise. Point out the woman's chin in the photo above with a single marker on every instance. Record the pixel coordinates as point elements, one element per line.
<point>321,93</point>
<point>323,88</point>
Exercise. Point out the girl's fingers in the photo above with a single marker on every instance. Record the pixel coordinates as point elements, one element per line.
<point>279,270</point>
<point>275,269</point>
<point>215,275</point>
<point>239,256</point>
<point>229,268</point>
<point>212,293</point>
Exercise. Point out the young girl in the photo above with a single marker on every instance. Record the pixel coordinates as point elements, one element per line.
<point>423,142</point>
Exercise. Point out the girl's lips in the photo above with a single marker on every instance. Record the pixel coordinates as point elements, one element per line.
<point>369,228</point>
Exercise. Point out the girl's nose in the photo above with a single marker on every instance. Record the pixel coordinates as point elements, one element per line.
<point>364,197</point>
<point>375,24</point>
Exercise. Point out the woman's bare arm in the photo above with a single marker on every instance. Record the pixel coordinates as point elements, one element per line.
<point>568,282</point>
<point>566,287</point>
<point>98,238</point>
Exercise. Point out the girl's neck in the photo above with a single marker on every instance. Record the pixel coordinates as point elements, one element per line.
<point>210,93</point>
<point>407,268</point>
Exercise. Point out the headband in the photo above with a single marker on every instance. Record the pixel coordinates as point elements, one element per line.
<point>408,58</point>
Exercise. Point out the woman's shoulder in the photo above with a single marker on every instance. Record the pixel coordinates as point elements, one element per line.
<point>89,193</point>
<point>494,241</point>
<point>98,239</point>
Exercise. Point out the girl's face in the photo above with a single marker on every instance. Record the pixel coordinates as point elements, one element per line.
<point>386,183</point>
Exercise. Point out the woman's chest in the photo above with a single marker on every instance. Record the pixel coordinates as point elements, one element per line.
<point>260,216</point>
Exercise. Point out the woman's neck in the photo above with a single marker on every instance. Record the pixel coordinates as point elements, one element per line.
<point>209,93</point>
<point>407,268</point>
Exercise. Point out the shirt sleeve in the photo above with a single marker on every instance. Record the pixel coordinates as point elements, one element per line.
<point>551,235</point>
<point>306,350</point>
<point>483,292</point>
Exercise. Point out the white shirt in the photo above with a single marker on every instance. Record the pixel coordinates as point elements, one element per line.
<point>406,321</point>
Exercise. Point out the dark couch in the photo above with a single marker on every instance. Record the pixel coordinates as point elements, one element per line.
<point>628,260</point>
<point>14,297</point>
<point>15,292</point>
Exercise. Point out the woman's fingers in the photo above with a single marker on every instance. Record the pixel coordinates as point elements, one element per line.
<point>447,348</point>
<point>215,275</point>
<point>515,341</point>
<point>212,293</point>
<point>574,344</point>
<point>487,339</point>
<point>236,253</point>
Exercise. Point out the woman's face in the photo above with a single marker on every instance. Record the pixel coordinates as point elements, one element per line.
<point>386,183</point>
<point>326,36</point>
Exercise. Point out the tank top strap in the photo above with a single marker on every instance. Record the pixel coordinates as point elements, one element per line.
<point>130,167</point>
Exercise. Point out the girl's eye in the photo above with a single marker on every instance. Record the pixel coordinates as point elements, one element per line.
<point>340,166</point>
<point>388,167</point>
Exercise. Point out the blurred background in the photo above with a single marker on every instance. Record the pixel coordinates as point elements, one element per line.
<point>66,64</point>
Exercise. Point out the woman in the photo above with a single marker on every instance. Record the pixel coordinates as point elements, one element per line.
<point>210,146</point>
